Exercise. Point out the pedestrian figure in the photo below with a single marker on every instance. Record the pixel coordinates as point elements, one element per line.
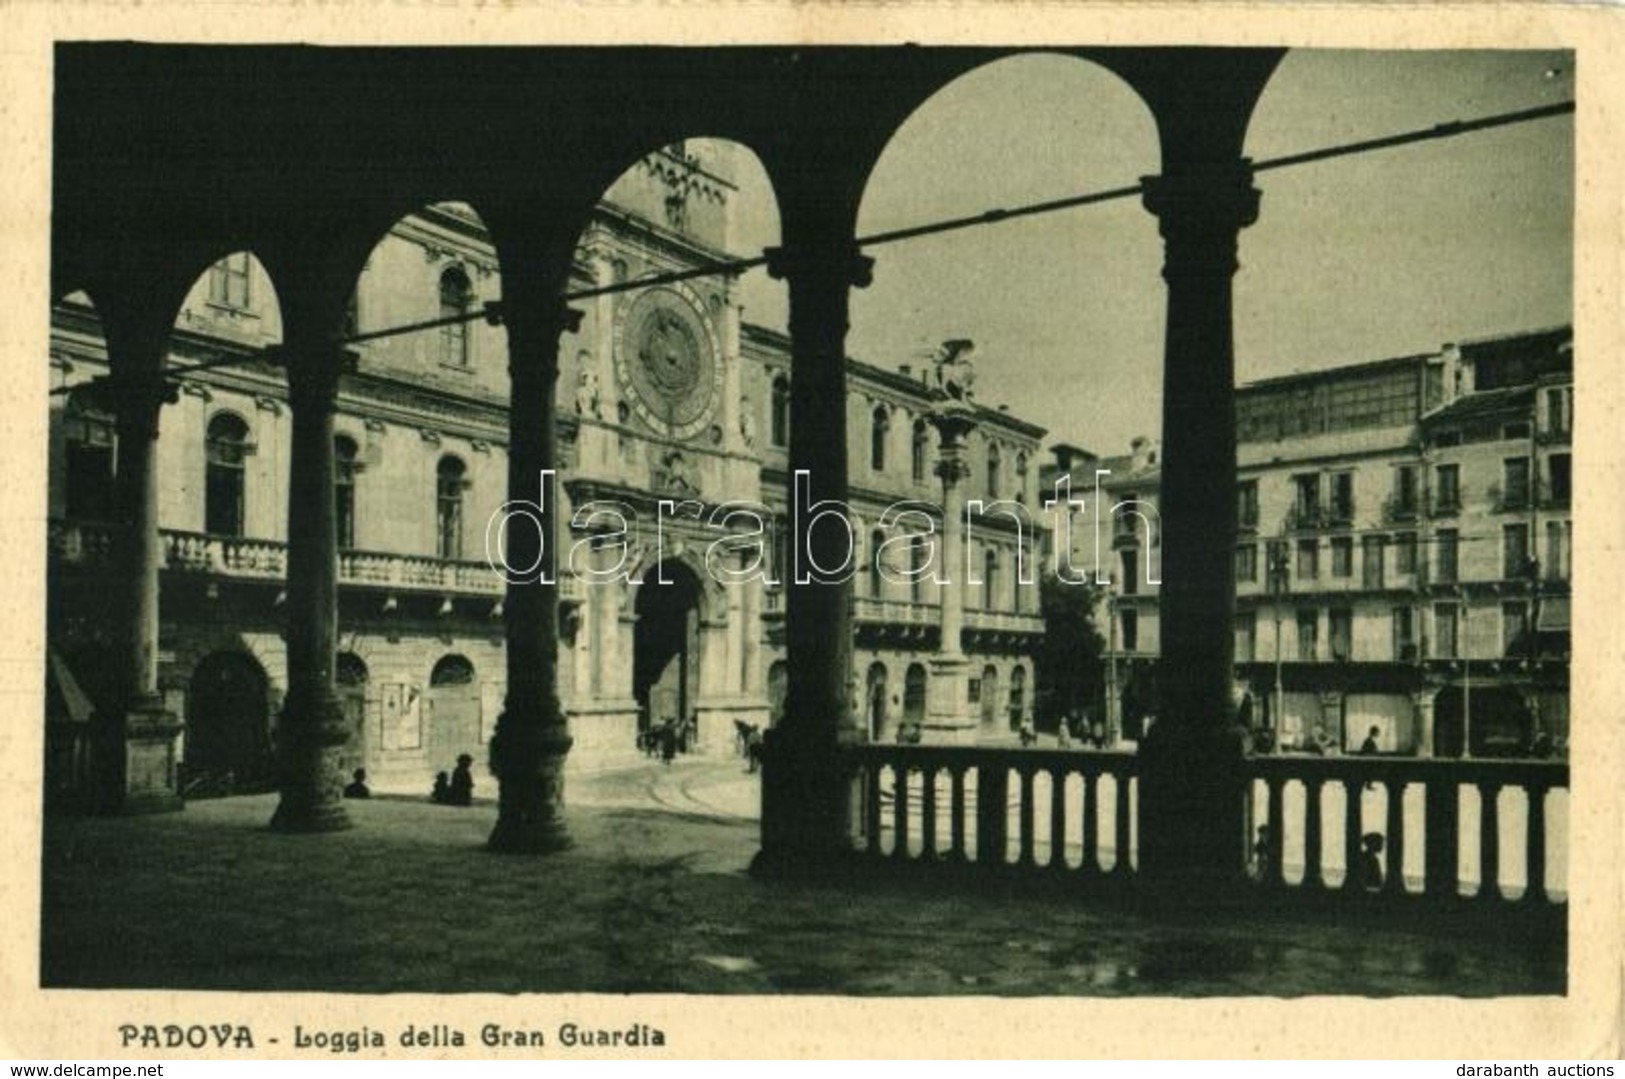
<point>358,785</point>
<point>753,748</point>
<point>1097,734</point>
<point>1261,854</point>
<point>461,792</point>
<point>1371,862</point>
<point>1028,735</point>
<point>668,740</point>
<point>1368,748</point>
<point>1063,736</point>
<point>441,795</point>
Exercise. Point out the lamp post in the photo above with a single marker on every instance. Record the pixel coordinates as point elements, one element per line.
<point>1466,681</point>
<point>1114,712</point>
<point>1278,589</point>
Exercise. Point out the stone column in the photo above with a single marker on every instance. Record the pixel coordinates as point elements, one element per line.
<point>947,714</point>
<point>1422,702</point>
<point>805,800</point>
<point>311,731</point>
<point>1191,794</point>
<point>532,736</point>
<point>133,745</point>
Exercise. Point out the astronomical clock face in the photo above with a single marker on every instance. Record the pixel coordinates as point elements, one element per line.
<point>667,361</point>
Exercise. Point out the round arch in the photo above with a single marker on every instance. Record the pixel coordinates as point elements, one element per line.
<point>228,742</point>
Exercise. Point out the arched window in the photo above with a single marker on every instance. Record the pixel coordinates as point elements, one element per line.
<point>226,449</point>
<point>449,487</point>
<point>920,462</point>
<point>1021,478</point>
<point>876,582</point>
<point>779,423</point>
<point>92,444</point>
<point>1018,696</point>
<point>879,429</point>
<point>452,670</point>
<point>994,467</point>
<point>344,470</point>
<point>229,281</point>
<point>456,296</point>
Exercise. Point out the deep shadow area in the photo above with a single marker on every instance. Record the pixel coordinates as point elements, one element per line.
<point>648,901</point>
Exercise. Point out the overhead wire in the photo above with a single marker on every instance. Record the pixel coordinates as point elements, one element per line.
<point>491,311</point>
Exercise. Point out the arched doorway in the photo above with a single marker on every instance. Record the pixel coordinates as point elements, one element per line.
<point>914,696</point>
<point>1018,697</point>
<point>990,699</point>
<point>350,680</point>
<point>875,709</point>
<point>451,712</point>
<point>228,726</point>
<point>666,646</point>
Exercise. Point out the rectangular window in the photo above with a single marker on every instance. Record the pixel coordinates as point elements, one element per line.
<point>1558,479</point>
<point>1371,561</point>
<point>1447,488</point>
<point>1308,559</point>
<point>1246,562</point>
<point>1341,626</point>
<point>1342,497</point>
<point>1306,490</point>
<point>1444,547</point>
<point>1308,635</point>
<point>1342,556</point>
<point>1515,640</point>
<point>1557,412</point>
<point>1276,566</point>
<point>1130,619</point>
<point>1405,553</point>
<point>1556,566</point>
<point>1404,635</point>
<point>1446,644</point>
<point>1514,551</point>
<point>1404,491</point>
<point>1131,576</point>
<point>229,280</point>
<point>1246,636</point>
<point>1247,504</point>
<point>1515,483</point>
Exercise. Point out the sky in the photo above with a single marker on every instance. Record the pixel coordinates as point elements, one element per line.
<point>1385,254</point>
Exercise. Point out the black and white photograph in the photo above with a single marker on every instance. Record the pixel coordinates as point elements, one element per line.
<point>960,525</point>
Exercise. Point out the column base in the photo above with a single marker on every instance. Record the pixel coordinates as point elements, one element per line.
<point>1192,809</point>
<point>530,799</point>
<point>311,761</point>
<point>807,807</point>
<point>133,755</point>
<point>948,720</point>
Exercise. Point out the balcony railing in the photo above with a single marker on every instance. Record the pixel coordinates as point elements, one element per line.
<point>1441,830</point>
<point>1061,812</point>
<point>1492,834</point>
<point>869,609</point>
<point>242,558</point>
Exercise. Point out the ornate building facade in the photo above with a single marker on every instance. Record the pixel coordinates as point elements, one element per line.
<point>1403,556</point>
<point>672,411</point>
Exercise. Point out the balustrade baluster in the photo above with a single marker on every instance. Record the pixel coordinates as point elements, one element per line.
<point>1351,836</point>
<point>928,811</point>
<point>992,808</point>
<point>1122,868</point>
<point>1314,873</point>
<point>1057,819</point>
<point>1026,823</point>
<point>1275,872</point>
<point>1443,817</point>
<point>1535,846</point>
<point>899,808</point>
<point>1394,882</point>
<point>1091,822</point>
<point>871,806</point>
<point>957,805</point>
<point>1489,842</point>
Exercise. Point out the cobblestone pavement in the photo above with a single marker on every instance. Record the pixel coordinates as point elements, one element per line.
<point>655,898</point>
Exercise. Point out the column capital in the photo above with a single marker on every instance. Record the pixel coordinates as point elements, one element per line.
<point>314,371</point>
<point>135,401</point>
<point>1199,211</point>
<point>834,262</point>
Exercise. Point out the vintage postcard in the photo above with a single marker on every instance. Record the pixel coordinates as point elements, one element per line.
<point>717,530</point>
